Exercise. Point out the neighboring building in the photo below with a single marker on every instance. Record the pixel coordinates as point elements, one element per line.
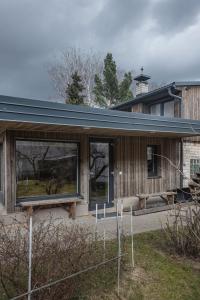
<point>175,100</point>
<point>55,152</point>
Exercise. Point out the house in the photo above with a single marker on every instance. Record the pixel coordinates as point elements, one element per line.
<point>52,153</point>
<point>175,100</point>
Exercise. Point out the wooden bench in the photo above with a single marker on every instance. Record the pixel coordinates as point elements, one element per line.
<point>68,203</point>
<point>169,198</point>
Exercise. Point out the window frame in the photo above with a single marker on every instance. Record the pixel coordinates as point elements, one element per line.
<point>194,164</point>
<point>158,161</point>
<point>54,196</point>
<point>162,109</point>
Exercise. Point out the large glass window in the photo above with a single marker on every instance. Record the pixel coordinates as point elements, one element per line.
<point>46,168</point>
<point>153,160</point>
<point>1,174</point>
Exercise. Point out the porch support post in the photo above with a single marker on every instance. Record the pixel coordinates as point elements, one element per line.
<point>10,172</point>
<point>84,168</point>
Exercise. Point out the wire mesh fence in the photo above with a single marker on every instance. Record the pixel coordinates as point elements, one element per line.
<point>48,261</point>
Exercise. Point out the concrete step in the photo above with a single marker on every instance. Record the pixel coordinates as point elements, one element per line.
<point>155,202</point>
<point>2,210</point>
<point>152,210</point>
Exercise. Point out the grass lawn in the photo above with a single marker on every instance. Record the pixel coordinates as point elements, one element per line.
<point>157,275</point>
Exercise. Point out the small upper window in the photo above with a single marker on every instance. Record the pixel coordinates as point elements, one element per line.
<point>155,109</point>
<point>153,160</point>
<point>169,109</point>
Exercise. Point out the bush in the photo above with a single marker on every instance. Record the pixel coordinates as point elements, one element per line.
<point>183,235</point>
<point>58,251</point>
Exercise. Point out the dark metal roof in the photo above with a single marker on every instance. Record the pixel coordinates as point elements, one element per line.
<point>22,110</point>
<point>157,94</point>
<point>142,77</point>
<point>187,83</point>
<point>152,96</point>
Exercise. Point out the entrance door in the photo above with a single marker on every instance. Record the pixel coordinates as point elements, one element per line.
<point>101,173</point>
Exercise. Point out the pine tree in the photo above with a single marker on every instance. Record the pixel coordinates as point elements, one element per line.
<point>108,91</point>
<point>110,82</point>
<point>98,91</point>
<point>74,91</point>
<point>125,92</point>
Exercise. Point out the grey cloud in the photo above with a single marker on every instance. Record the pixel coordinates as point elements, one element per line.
<point>117,16</point>
<point>175,15</point>
<point>32,32</point>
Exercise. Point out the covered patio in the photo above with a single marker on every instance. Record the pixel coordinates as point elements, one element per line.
<point>54,154</point>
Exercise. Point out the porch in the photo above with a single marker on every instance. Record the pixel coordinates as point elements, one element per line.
<point>52,151</point>
<point>56,167</point>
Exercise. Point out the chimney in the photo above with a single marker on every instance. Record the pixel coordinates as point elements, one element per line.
<point>142,85</point>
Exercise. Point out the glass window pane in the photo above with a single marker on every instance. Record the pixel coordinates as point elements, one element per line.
<point>194,166</point>
<point>99,172</point>
<point>153,160</point>
<point>155,109</point>
<point>46,168</point>
<point>169,109</point>
<point>1,175</point>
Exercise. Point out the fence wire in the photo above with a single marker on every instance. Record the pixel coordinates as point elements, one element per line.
<point>101,231</point>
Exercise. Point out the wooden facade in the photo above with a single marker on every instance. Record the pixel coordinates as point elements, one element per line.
<point>191,106</point>
<point>130,163</point>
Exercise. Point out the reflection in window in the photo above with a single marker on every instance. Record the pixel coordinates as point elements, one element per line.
<point>194,166</point>
<point>1,175</point>
<point>46,168</point>
<point>169,109</point>
<point>99,171</point>
<point>153,160</point>
<point>155,109</point>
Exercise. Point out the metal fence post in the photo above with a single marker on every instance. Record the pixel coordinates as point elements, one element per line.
<point>119,249</point>
<point>132,250</point>
<point>104,232</point>
<point>96,222</point>
<point>30,256</point>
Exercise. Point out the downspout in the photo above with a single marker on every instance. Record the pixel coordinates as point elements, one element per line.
<point>179,98</point>
<point>181,163</point>
<point>181,140</point>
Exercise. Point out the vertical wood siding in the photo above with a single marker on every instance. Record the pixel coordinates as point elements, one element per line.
<point>131,163</point>
<point>191,106</point>
<point>130,160</point>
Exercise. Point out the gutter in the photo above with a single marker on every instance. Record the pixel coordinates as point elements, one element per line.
<point>176,97</point>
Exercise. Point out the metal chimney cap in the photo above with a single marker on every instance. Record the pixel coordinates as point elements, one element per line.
<point>142,77</point>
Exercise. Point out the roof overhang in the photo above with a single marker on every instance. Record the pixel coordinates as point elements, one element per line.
<point>35,115</point>
<point>158,95</point>
<point>86,130</point>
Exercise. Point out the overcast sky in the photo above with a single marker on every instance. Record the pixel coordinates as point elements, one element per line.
<point>161,35</point>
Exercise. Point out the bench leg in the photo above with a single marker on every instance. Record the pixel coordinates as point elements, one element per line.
<point>143,203</point>
<point>30,211</point>
<point>170,199</point>
<point>72,211</point>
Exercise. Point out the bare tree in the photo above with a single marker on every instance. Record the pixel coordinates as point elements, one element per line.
<point>87,63</point>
